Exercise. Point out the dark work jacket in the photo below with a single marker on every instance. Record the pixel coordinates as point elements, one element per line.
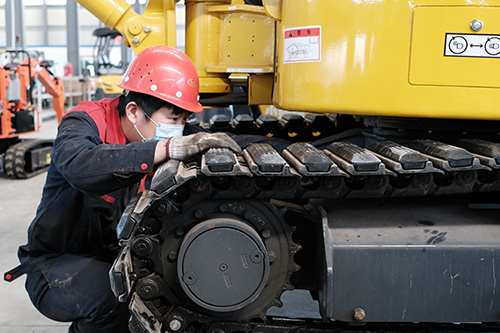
<point>92,176</point>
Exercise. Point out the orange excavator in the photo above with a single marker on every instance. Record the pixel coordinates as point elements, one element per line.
<point>23,158</point>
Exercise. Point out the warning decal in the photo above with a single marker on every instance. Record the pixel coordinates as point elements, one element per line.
<point>302,44</point>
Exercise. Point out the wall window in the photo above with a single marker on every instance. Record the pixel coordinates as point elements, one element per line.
<point>33,2</point>
<point>55,2</point>
<point>41,2</point>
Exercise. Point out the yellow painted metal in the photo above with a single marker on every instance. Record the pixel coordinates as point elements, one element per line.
<point>202,44</point>
<point>155,27</point>
<point>224,37</point>
<point>246,40</point>
<point>259,89</point>
<point>273,8</point>
<point>385,57</point>
<point>434,69</point>
<point>108,12</point>
<point>108,84</point>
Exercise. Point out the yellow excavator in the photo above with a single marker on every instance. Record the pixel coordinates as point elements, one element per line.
<point>108,73</point>
<point>383,208</point>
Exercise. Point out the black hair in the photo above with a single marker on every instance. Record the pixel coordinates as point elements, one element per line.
<point>149,104</point>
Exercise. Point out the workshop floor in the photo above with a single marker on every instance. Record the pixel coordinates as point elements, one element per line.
<point>19,199</point>
<point>18,202</point>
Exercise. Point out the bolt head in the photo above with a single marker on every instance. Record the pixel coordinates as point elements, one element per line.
<point>179,232</point>
<point>136,39</point>
<point>358,314</point>
<point>476,25</point>
<point>266,233</point>
<point>175,325</point>
<point>272,256</point>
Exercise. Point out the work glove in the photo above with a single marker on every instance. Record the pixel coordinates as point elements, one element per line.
<point>184,147</point>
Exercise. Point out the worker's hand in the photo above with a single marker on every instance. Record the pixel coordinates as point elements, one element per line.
<point>184,147</point>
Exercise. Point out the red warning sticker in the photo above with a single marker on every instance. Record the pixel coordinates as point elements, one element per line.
<point>302,44</point>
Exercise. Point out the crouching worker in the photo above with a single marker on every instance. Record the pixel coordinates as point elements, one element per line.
<point>101,153</point>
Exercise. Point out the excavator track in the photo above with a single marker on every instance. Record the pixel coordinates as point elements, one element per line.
<point>286,325</point>
<point>174,238</point>
<point>27,158</point>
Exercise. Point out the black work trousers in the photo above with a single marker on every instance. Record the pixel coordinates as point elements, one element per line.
<point>76,289</point>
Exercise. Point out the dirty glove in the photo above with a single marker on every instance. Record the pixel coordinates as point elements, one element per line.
<point>184,147</point>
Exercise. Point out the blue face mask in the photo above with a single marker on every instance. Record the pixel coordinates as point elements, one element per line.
<point>163,131</point>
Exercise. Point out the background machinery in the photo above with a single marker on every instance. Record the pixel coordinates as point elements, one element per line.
<point>108,74</point>
<point>385,206</point>
<point>19,116</point>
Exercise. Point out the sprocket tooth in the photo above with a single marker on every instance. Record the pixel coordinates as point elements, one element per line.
<point>296,267</point>
<point>288,286</point>
<point>294,248</point>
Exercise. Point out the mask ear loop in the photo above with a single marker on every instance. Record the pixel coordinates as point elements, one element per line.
<point>143,138</point>
<point>154,122</point>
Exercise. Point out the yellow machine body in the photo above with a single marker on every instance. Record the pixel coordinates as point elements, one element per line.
<point>108,84</point>
<point>224,38</point>
<point>378,57</point>
<point>387,58</point>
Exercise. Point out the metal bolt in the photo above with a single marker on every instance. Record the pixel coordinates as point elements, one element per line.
<point>175,325</point>
<point>179,232</point>
<point>172,255</point>
<point>358,314</point>
<point>266,233</point>
<point>198,214</point>
<point>148,289</point>
<point>147,29</point>
<point>136,39</point>
<point>142,247</point>
<point>162,208</point>
<point>476,25</point>
<point>272,256</point>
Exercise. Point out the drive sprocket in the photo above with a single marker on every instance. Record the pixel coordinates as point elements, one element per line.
<point>225,259</point>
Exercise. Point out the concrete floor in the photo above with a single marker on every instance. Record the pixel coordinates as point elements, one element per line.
<point>19,199</point>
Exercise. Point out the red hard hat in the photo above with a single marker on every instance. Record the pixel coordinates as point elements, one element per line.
<point>165,73</point>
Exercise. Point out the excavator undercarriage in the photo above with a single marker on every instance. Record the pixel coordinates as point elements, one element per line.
<point>363,227</point>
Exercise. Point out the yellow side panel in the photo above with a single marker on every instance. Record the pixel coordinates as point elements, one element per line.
<point>385,57</point>
<point>455,68</point>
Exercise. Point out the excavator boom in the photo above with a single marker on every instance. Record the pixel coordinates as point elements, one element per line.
<point>53,85</point>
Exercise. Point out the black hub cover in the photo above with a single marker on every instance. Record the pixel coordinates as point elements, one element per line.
<point>223,264</point>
